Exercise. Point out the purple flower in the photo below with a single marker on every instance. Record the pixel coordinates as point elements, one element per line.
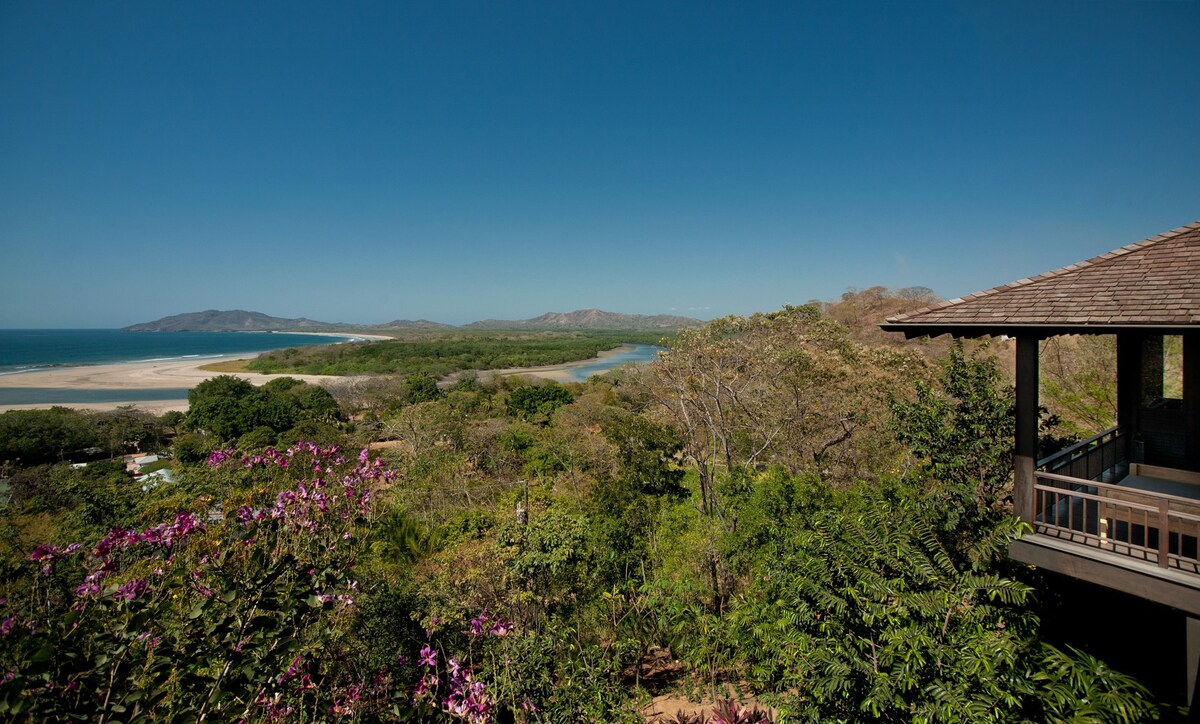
<point>479,623</point>
<point>45,553</point>
<point>292,670</point>
<point>87,589</point>
<point>428,657</point>
<point>132,589</point>
<point>500,628</point>
<point>7,626</point>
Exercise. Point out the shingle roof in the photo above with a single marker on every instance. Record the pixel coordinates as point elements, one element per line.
<point>1155,282</point>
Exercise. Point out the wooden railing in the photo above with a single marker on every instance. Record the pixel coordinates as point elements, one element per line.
<point>1153,527</point>
<point>1090,459</point>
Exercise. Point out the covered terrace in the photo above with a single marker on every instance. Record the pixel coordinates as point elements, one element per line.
<point>1122,508</point>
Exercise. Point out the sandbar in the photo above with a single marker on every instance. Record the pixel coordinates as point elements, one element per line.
<point>169,374</point>
<point>176,374</point>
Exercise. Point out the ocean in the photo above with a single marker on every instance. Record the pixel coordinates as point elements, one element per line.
<point>29,349</point>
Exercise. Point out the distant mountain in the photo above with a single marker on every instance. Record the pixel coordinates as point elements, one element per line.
<point>420,325</point>
<point>589,319</point>
<point>236,320</point>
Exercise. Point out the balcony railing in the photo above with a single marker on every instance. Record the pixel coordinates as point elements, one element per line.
<point>1154,527</point>
<point>1104,456</point>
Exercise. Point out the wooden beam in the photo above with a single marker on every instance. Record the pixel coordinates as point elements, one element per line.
<point>1170,588</point>
<point>1129,385</point>
<point>1191,398</point>
<point>1025,450</point>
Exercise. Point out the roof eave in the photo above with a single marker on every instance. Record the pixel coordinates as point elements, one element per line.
<point>930,329</point>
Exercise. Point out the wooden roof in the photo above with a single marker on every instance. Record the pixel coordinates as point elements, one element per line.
<point>1153,283</point>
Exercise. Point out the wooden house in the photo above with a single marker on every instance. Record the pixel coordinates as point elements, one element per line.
<point>1122,508</point>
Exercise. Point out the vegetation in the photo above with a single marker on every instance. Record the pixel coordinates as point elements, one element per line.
<point>438,355</point>
<point>30,437</point>
<point>229,408</point>
<point>780,520</point>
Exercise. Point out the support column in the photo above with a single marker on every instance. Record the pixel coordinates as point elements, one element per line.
<point>1025,451</point>
<point>1129,387</point>
<point>1193,666</point>
<point>1191,398</point>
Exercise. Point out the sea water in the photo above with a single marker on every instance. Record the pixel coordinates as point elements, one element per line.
<point>29,349</point>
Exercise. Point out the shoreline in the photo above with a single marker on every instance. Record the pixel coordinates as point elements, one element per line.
<point>175,374</point>
<point>560,372</point>
<point>352,336</point>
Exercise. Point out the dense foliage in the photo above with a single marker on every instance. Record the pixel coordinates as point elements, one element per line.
<point>778,521</point>
<point>229,408</point>
<point>439,355</point>
<point>28,437</point>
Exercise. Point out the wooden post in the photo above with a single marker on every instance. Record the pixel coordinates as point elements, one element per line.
<point>1191,398</point>
<point>1025,451</point>
<point>1193,663</point>
<point>1129,388</point>
<point>1164,534</point>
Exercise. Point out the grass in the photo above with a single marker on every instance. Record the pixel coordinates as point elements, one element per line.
<point>228,365</point>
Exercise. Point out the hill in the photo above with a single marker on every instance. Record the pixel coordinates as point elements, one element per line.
<point>238,320</point>
<point>590,319</point>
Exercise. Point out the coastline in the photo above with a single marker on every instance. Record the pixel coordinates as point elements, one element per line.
<point>352,336</point>
<point>172,374</point>
<point>176,374</point>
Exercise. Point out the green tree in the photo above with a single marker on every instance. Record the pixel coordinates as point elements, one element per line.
<point>961,428</point>
<point>224,406</point>
<point>871,612</point>
<point>36,436</point>
<point>536,403</point>
<point>422,388</point>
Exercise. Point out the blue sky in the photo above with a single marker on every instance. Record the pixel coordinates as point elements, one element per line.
<point>369,161</point>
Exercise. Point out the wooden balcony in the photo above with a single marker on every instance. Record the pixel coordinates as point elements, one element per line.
<point>1128,526</point>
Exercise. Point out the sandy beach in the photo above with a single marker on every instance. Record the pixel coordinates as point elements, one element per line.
<point>177,374</point>
<point>134,376</point>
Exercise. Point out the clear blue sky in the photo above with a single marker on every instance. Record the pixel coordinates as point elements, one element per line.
<point>368,161</point>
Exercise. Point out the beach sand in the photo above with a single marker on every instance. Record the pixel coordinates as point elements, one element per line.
<point>188,374</point>
<point>133,376</point>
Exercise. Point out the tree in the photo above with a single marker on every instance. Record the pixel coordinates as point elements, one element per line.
<point>422,388</point>
<point>962,429</point>
<point>224,406</point>
<point>1079,380</point>
<point>869,612</point>
<point>229,407</point>
<point>536,403</point>
<point>785,388</point>
<point>34,436</point>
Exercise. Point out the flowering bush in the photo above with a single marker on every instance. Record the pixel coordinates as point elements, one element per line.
<point>206,615</point>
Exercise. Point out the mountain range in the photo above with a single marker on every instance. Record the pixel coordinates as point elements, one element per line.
<point>238,320</point>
